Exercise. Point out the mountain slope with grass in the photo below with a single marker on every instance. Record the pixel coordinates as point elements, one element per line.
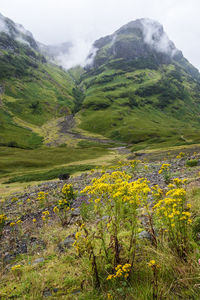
<point>31,89</point>
<point>140,89</point>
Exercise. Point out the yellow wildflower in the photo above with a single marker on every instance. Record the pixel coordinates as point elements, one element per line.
<point>55,209</point>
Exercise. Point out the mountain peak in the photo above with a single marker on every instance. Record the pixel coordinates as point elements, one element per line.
<point>16,32</point>
<point>152,33</point>
<point>140,39</point>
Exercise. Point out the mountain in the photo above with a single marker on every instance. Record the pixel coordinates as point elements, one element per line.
<point>137,87</point>
<point>140,89</point>
<point>32,90</point>
<point>140,43</point>
<point>15,32</point>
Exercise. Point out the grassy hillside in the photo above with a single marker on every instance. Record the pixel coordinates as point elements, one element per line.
<point>30,89</point>
<point>144,107</point>
<point>140,93</point>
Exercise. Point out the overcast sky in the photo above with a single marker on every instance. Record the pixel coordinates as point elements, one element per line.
<point>55,21</point>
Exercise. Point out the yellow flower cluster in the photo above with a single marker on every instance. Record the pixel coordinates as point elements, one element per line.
<point>45,215</point>
<point>180,155</point>
<point>63,203</point>
<point>42,196</point>
<point>76,244</point>
<point>56,210</point>
<point>19,222</point>
<point>66,188</point>
<point>109,296</point>
<point>3,218</point>
<point>14,199</point>
<point>134,163</point>
<point>172,208</point>
<point>68,191</point>
<point>152,264</point>
<point>16,267</point>
<point>164,167</point>
<point>117,186</point>
<point>156,191</point>
<point>176,193</point>
<point>121,271</point>
<point>179,182</point>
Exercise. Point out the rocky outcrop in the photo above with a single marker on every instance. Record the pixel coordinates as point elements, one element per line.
<point>16,32</point>
<point>142,43</point>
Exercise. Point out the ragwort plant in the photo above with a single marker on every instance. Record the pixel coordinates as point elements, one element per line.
<point>3,219</point>
<point>115,202</point>
<point>165,171</point>
<point>155,270</point>
<point>174,218</point>
<point>42,197</point>
<point>63,208</point>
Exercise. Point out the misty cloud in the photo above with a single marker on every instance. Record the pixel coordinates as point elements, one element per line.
<point>155,36</point>
<point>77,55</point>
<point>3,27</point>
<point>15,30</point>
<point>54,22</point>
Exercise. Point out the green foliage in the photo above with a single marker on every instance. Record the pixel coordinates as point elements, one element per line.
<point>78,99</point>
<point>49,175</point>
<point>32,90</point>
<point>44,163</point>
<point>192,163</point>
<point>96,103</point>
<point>147,107</point>
<point>196,229</point>
<point>87,144</point>
<point>13,135</point>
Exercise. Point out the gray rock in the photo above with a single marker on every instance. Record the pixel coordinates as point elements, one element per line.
<point>47,293</point>
<point>38,261</point>
<point>68,242</point>
<point>8,258</point>
<point>145,235</point>
<point>75,212</point>
<point>22,248</point>
<point>75,292</point>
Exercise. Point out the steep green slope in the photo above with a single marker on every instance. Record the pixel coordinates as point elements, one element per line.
<point>139,95</point>
<point>30,89</point>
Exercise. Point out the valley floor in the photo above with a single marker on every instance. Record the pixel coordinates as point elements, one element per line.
<point>43,236</point>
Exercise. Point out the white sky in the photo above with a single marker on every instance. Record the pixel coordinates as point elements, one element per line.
<point>55,21</point>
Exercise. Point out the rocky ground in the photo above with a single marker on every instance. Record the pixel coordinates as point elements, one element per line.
<point>16,206</point>
<point>27,239</point>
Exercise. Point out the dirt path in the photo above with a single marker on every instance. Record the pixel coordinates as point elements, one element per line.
<point>64,130</point>
<point>67,125</point>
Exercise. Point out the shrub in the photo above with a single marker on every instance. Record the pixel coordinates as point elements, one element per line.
<point>3,219</point>
<point>63,209</point>
<point>165,171</point>
<point>192,163</point>
<point>96,102</point>
<point>115,197</point>
<point>173,217</point>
